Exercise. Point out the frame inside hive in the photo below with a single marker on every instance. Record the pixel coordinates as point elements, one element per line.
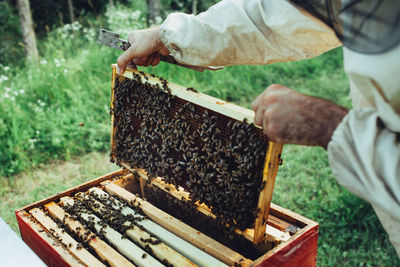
<point>230,110</point>
<point>44,227</point>
<point>36,231</point>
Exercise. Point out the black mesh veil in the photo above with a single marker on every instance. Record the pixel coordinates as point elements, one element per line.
<point>365,26</point>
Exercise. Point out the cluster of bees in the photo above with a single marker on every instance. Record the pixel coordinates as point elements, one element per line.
<point>186,212</point>
<point>111,215</point>
<point>217,159</point>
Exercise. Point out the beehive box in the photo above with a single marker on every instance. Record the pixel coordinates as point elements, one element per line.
<point>188,231</point>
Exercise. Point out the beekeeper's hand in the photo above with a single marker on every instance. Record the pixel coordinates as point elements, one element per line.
<point>146,48</point>
<point>289,117</point>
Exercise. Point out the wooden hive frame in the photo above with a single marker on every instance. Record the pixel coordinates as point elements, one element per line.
<point>38,226</point>
<point>35,227</point>
<point>272,158</point>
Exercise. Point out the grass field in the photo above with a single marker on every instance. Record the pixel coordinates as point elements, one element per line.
<point>55,125</point>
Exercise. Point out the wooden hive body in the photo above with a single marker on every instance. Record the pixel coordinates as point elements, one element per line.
<point>300,249</point>
<point>283,238</point>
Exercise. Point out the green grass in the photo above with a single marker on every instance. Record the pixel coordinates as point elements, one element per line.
<point>47,180</point>
<point>62,110</point>
<point>62,114</point>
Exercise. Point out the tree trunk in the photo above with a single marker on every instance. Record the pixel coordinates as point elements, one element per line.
<point>71,11</point>
<point>72,18</point>
<point>28,34</point>
<point>154,11</point>
<point>194,7</point>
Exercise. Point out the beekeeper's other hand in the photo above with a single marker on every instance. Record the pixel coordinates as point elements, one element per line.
<point>289,117</point>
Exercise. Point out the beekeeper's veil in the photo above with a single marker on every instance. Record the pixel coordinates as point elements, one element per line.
<point>366,26</point>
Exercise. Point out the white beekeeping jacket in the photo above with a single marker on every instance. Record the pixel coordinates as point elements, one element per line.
<point>364,152</point>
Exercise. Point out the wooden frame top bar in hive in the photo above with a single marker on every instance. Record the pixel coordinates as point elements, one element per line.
<point>268,168</point>
<point>58,245</point>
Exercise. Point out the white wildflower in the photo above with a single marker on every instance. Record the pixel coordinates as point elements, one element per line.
<point>38,109</point>
<point>67,27</point>
<point>6,68</point>
<point>58,62</point>
<point>41,103</point>
<point>43,61</point>
<point>135,15</point>
<point>76,26</point>
<point>6,95</point>
<point>32,142</point>
<point>159,20</point>
<point>65,71</point>
<point>123,19</point>
<point>8,89</point>
<point>22,91</point>
<point>56,140</point>
<point>3,78</point>
<point>90,34</point>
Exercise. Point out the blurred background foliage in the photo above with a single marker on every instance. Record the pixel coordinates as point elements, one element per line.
<point>49,15</point>
<point>59,109</point>
<point>10,34</point>
<point>41,105</point>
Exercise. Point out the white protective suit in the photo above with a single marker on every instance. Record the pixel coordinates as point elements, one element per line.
<point>364,152</point>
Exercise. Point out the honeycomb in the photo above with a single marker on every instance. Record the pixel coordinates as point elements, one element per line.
<point>217,159</point>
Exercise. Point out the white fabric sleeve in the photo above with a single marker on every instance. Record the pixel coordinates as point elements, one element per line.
<point>365,158</point>
<point>234,32</point>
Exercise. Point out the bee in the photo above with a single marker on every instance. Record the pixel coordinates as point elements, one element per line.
<point>191,89</point>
